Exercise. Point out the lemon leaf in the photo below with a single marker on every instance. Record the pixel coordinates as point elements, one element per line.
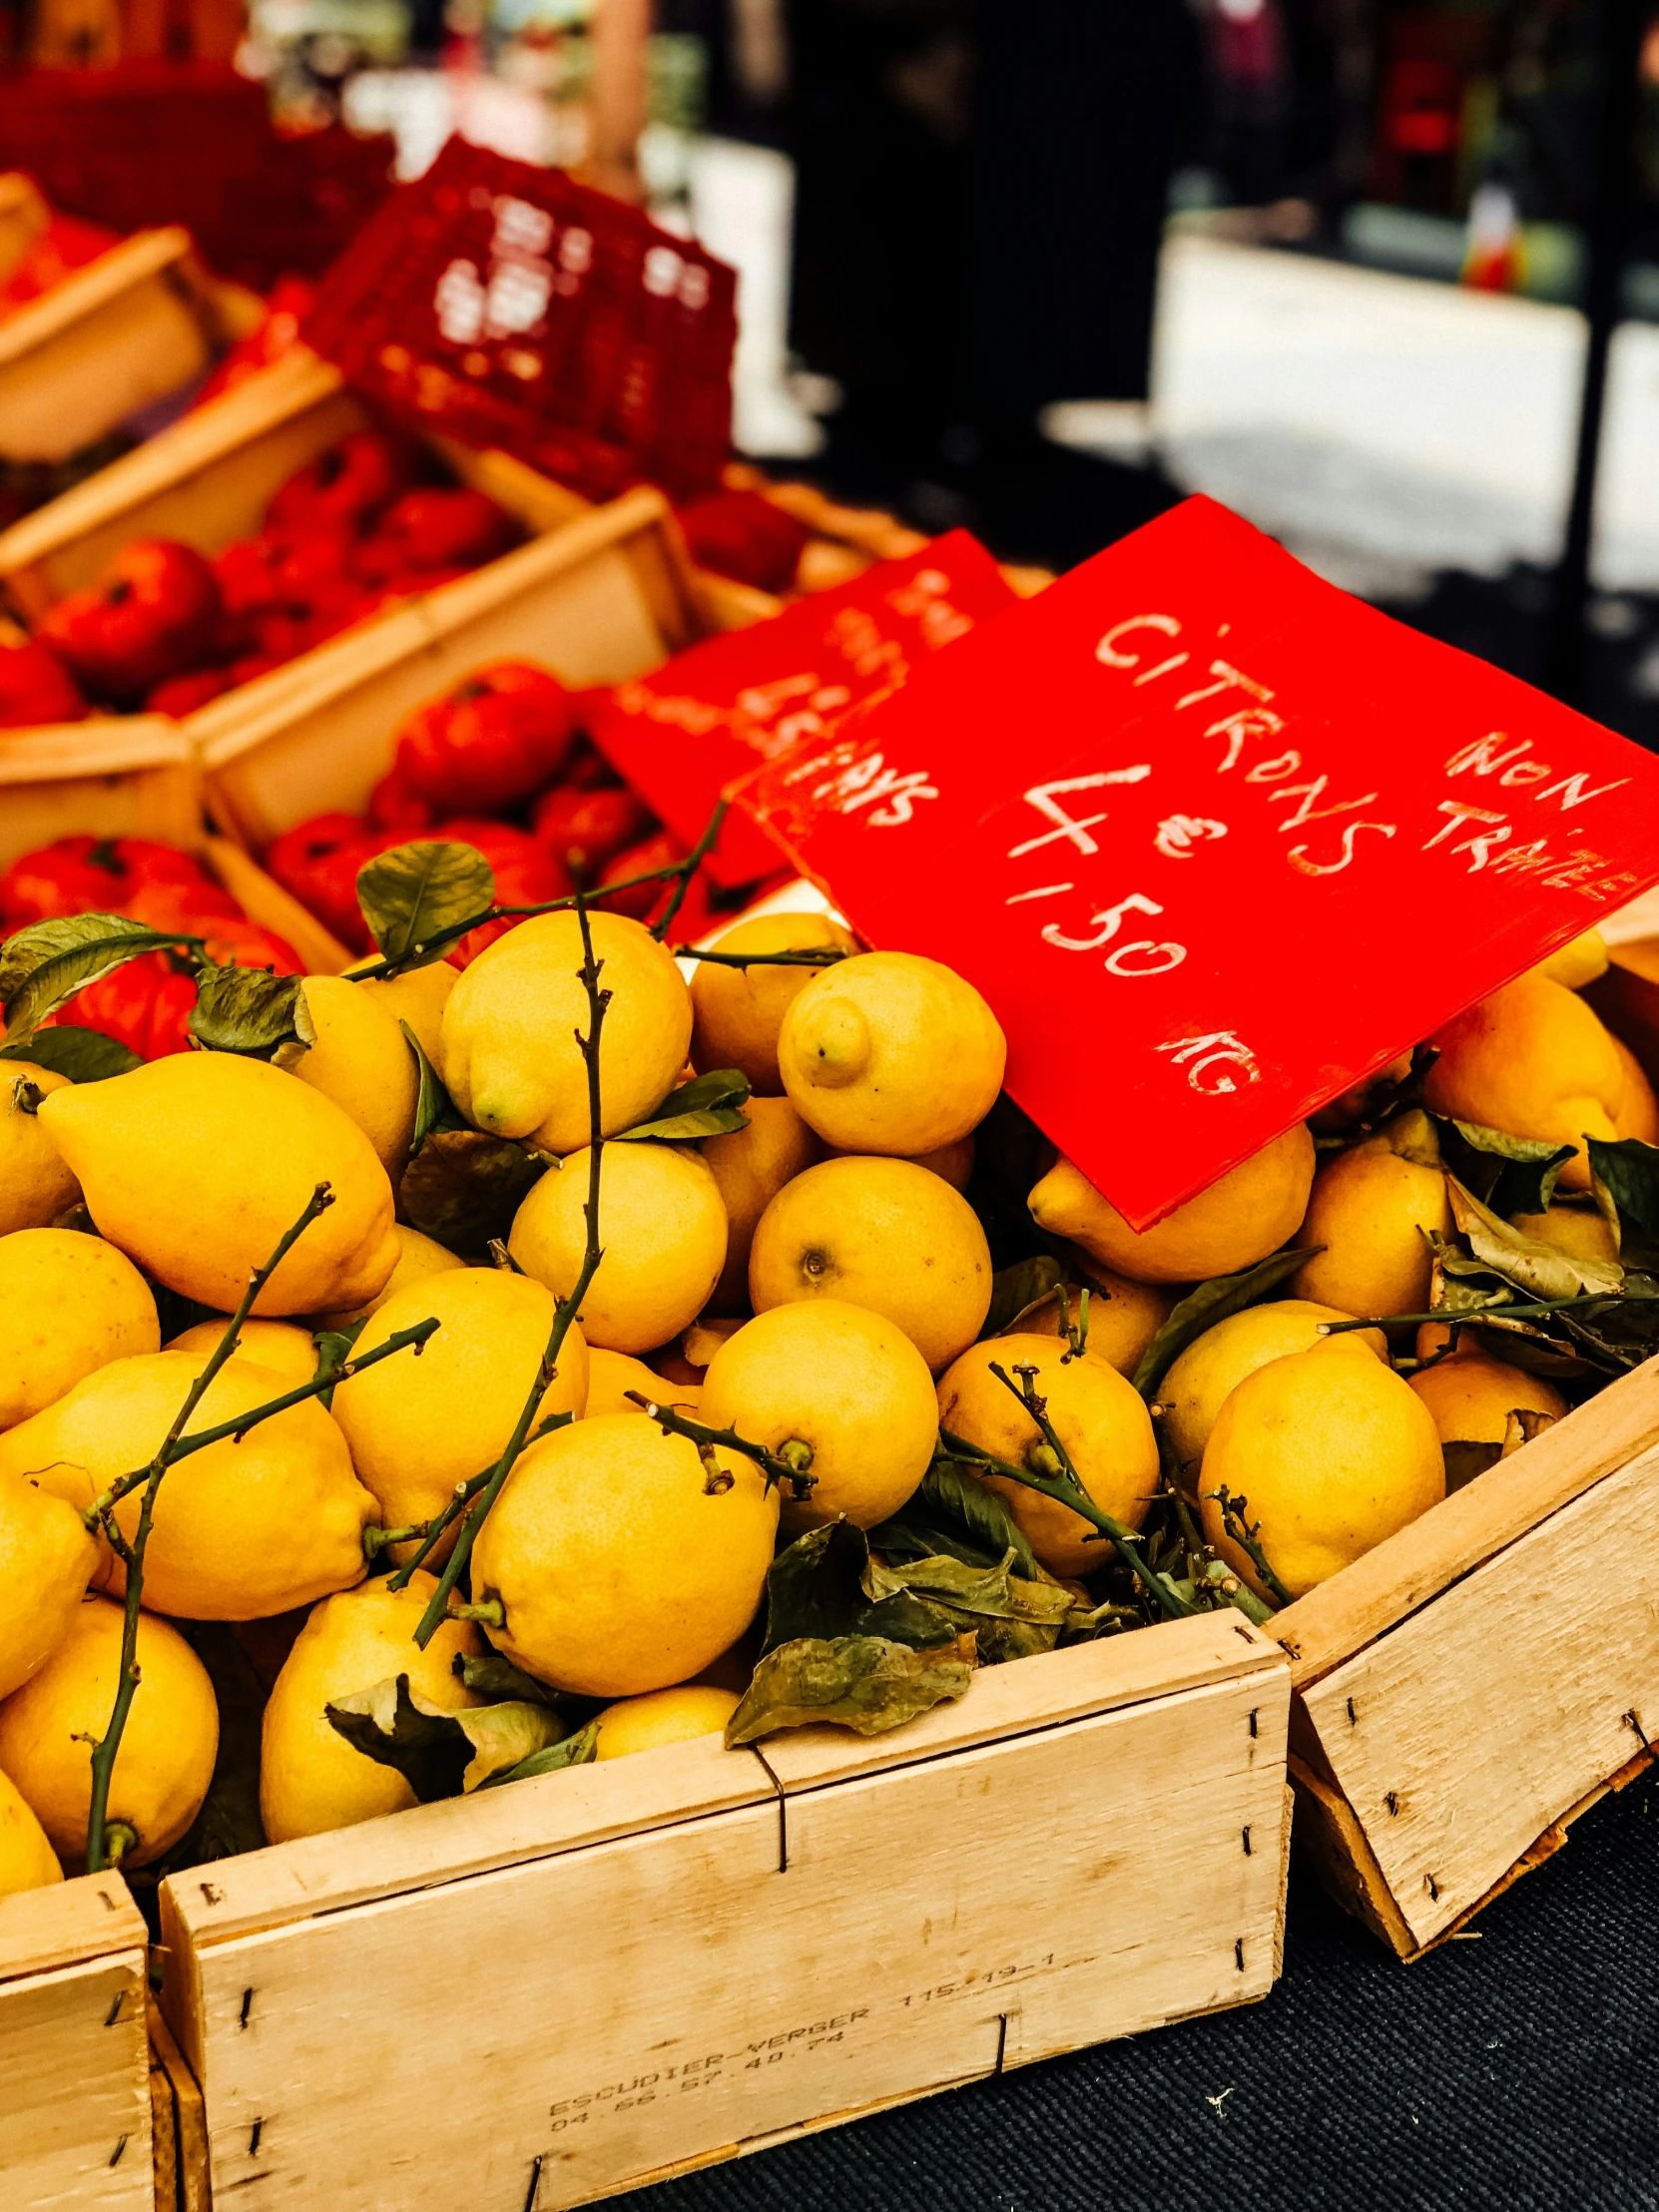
<point>1015,1290</point>
<point>489,1675</point>
<point>1543,1270</point>
<point>504,1737</point>
<point>434,1108</point>
<point>83,1055</point>
<point>464,1188</point>
<point>416,896</point>
<point>428,1747</point>
<point>1203,1307</point>
<point>708,1106</point>
<point>865,1683</point>
<point>250,1012</point>
<point>50,962</point>
<point>954,1514</point>
<point>1629,1172</point>
<point>818,1589</point>
<point>1524,1182</point>
<point>579,1750</point>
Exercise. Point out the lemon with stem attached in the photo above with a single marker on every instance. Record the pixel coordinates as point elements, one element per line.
<point>36,1185</point>
<point>737,1012</point>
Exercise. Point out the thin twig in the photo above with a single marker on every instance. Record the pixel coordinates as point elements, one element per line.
<point>789,1465</point>
<point>453,932</point>
<point>687,869</point>
<point>1474,1315</point>
<point>1248,1536</point>
<point>811,956</point>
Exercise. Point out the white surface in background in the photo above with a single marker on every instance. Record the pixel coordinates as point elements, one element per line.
<point>421,107</point>
<point>742,210</point>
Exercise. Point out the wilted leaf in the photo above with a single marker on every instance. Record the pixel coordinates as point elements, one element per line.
<point>464,1188</point>
<point>1629,1172</point>
<point>955,1514</point>
<point>860,1682</point>
<point>1010,1616</point>
<point>429,1748</point>
<point>1464,1461</point>
<point>1412,1136</point>
<point>83,1055</point>
<point>489,1675</point>
<point>434,1108</point>
<point>50,962</point>
<point>817,1590</point>
<point>417,891</point>
<point>1540,1269</point>
<point>250,1011</point>
<point>1524,1176</point>
<point>1208,1303</point>
<point>570,1751</point>
<point>504,1737</point>
<point>708,1106</point>
<point>1015,1290</point>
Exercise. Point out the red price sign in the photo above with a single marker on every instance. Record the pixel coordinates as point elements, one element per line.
<point>1214,840</point>
<point>681,734</point>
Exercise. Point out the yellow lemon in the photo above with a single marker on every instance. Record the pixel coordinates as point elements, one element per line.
<point>27,1860</point>
<point>417,1258</point>
<point>69,1305</point>
<point>276,1345</point>
<point>510,1056</point>
<point>750,1168</point>
<point>1330,1451</point>
<point>417,1427</point>
<point>1124,1316</point>
<point>418,998</point>
<point>47,1558</point>
<point>1470,1397</point>
<point>1097,1415</point>
<point>1533,1059</point>
<point>840,1390</point>
<point>195,1165</point>
<point>1373,1212</point>
<point>1580,961</point>
<point>241,1530</point>
<point>891,1053</point>
<point>310,1779</point>
<point>621,1563</point>
<point>612,1374</point>
<point>883,1234</point>
<point>1243,1215</point>
<point>663,1717</point>
<point>954,1161</point>
<point>1200,1382</point>
<point>35,1184</point>
<point>361,1060</point>
<point>1579,1231</point>
<point>737,1012</point>
<point>168,1747</point>
<point>663,1227</point>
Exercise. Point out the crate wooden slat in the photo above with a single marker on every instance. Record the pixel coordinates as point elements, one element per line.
<point>1469,1687</point>
<point>130,776</point>
<point>775,1944</point>
<point>75,2125</point>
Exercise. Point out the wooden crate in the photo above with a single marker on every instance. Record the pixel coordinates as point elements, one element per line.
<point>543,1994</point>
<point>74,2106</point>
<point>1464,1691</point>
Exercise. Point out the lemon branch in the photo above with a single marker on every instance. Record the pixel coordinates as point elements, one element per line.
<point>686,869</point>
<point>476,1509</point>
<point>1473,1316</point>
<point>106,1840</point>
<point>788,1463</point>
<point>809,955</point>
<point>1248,1536</point>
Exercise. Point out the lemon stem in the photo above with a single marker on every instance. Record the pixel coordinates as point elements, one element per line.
<point>489,1610</point>
<point>788,1463</point>
<point>686,869</point>
<point>1473,1316</point>
<point>811,956</point>
<point>120,1836</point>
<point>1248,1536</point>
<point>377,1540</point>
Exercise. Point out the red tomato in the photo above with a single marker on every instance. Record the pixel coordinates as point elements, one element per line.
<point>525,875</point>
<point>393,805</point>
<point>434,528</point>
<point>741,534</point>
<point>319,861</point>
<point>182,695</point>
<point>145,1005</point>
<point>35,686</point>
<point>80,875</point>
<point>153,613</point>
<point>584,830</point>
<point>492,740</point>
<point>342,489</point>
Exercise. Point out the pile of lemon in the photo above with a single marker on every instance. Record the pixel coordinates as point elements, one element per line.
<point>815,1282</point>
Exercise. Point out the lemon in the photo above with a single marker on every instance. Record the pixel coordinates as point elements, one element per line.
<point>954,1161</point>
<point>168,1747</point>
<point>846,1383</point>
<point>1331,1452</point>
<point>1470,1397</point>
<point>883,1234</point>
<point>196,1164</point>
<point>361,1060</point>
<point>419,1258</point>
<point>1580,961</point>
<point>417,1427</point>
<point>1534,1060</point>
<point>1373,1212</point>
<point>737,1012</point>
<point>310,1779</point>
<point>510,1056</point>
<point>1578,1230</point>
<point>612,1374</point>
<point>27,1860</point>
<point>69,1305</point>
<point>663,1229</point>
<point>418,998</point>
<point>1213,1366</point>
<point>749,1167</point>
<point>1124,1316</point>
<point>47,1558</point>
<point>35,1185</point>
<point>891,1053</point>
<point>276,1345</point>
<point>621,1564</point>
<point>1243,1215</point>
<point>241,1530</point>
<point>663,1717</point>
<point>1097,1415</point>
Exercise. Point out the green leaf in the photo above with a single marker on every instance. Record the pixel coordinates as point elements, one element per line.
<point>1530,1165</point>
<point>464,1188</point>
<point>1014,1290</point>
<point>816,1589</point>
<point>571,1751</point>
<point>488,1675</point>
<point>250,1012</point>
<point>709,1106</point>
<point>953,1514</point>
<point>1540,1269</point>
<point>1209,1303</point>
<point>504,1738</point>
<point>860,1682</point>
<point>1629,1172</point>
<point>84,1055</point>
<point>50,962</point>
<point>415,892</point>
<point>434,1108</point>
<point>428,1746</point>
<point>1011,1617</point>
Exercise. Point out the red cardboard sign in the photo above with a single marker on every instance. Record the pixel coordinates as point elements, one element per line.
<point>710,715</point>
<point>1214,840</point>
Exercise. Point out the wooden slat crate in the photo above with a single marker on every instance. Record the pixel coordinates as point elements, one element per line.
<point>648,1965</point>
<point>1464,1691</point>
<point>75,2099</point>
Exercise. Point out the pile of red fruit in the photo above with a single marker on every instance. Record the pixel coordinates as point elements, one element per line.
<point>167,630</point>
<point>144,1005</point>
<point>504,742</point>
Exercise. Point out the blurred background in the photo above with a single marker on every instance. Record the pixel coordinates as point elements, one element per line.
<point>1035,266</point>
